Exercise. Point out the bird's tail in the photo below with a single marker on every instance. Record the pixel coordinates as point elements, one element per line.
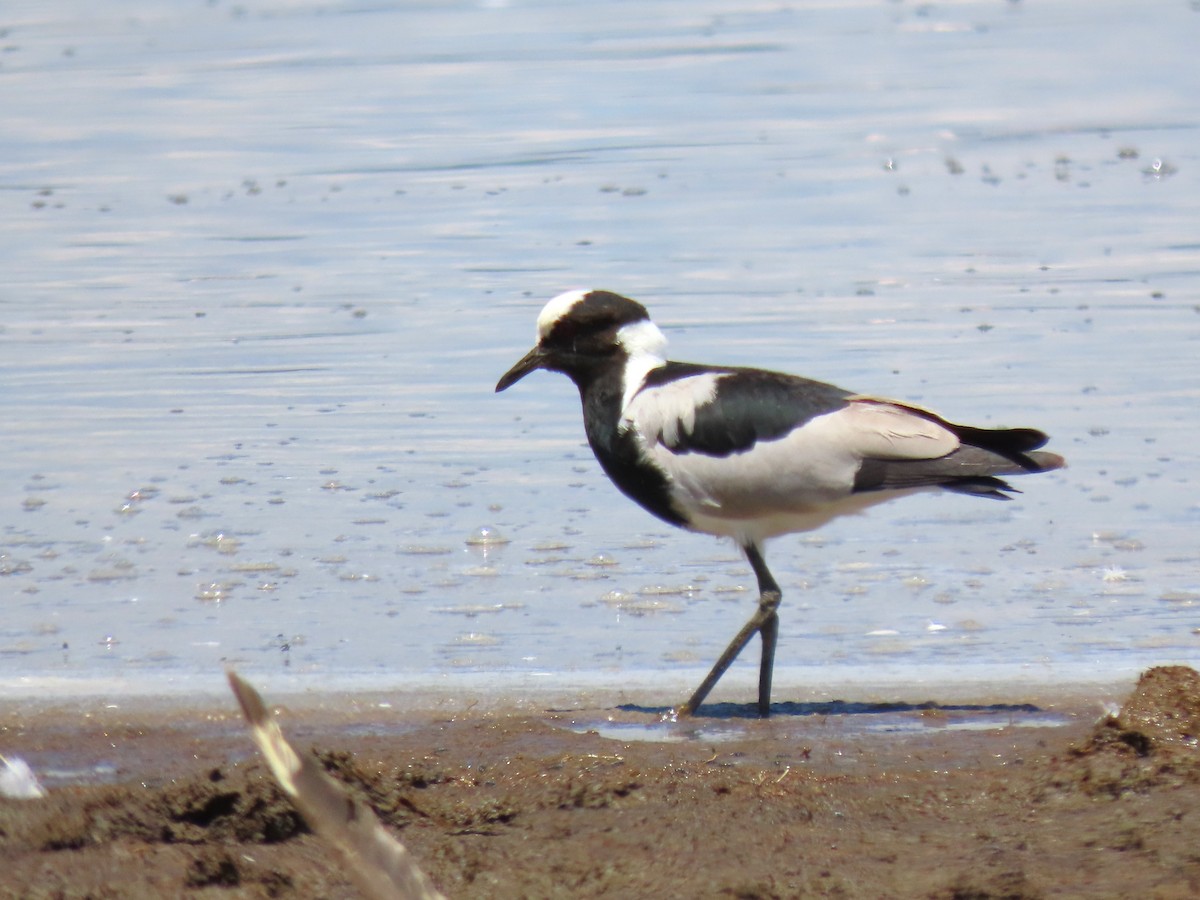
<point>974,468</point>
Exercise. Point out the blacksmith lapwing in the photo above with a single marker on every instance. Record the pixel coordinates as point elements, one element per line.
<point>752,454</point>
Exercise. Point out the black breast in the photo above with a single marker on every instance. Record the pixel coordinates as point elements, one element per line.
<point>618,452</point>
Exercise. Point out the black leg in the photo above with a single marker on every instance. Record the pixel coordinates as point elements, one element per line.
<point>769,596</point>
<point>764,622</point>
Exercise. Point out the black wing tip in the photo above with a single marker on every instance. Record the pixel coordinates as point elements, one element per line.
<point>1026,439</point>
<point>982,486</point>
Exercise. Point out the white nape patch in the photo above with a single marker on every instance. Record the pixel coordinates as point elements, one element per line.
<point>646,348</point>
<point>557,308</point>
<point>660,415</point>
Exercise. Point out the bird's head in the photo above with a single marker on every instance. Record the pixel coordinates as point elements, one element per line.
<point>580,331</point>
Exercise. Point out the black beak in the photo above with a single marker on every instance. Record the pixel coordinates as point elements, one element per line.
<point>534,359</point>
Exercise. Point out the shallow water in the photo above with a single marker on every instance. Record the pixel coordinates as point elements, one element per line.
<point>847,722</point>
<point>264,264</point>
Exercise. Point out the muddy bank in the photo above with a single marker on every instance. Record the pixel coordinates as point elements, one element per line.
<point>519,805</point>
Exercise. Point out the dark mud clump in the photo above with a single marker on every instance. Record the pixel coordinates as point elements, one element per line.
<point>219,808</point>
<point>1165,709</point>
<point>1153,742</point>
<point>213,808</point>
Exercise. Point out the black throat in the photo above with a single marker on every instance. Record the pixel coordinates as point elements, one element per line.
<point>601,391</point>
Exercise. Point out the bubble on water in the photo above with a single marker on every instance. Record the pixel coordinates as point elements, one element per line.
<point>1181,598</point>
<point>667,590</point>
<point>214,591</point>
<point>482,571</point>
<point>1131,545</point>
<point>254,567</point>
<point>642,544</point>
<point>592,575</point>
<point>477,639</point>
<point>486,536</point>
<point>118,569</point>
<point>543,561</point>
<point>475,609</point>
<point>1159,169</point>
<point>101,576</point>
<point>357,576</point>
<point>223,543</point>
<point>12,566</point>
<point>617,598</point>
<point>638,605</point>
<point>730,589</point>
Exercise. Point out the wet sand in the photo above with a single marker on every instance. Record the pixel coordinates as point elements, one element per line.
<point>520,803</point>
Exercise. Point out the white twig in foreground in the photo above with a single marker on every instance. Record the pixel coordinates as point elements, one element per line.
<point>379,864</point>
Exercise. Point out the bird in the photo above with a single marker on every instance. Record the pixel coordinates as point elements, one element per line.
<point>752,454</point>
